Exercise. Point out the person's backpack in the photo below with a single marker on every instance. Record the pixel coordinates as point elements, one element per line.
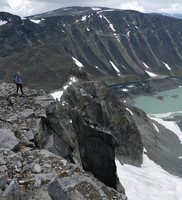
<point>14,78</point>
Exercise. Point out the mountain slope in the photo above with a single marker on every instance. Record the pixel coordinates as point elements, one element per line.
<point>110,44</point>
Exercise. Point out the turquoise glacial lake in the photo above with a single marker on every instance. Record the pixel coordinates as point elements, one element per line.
<point>169,101</point>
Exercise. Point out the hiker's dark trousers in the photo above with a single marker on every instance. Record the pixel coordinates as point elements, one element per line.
<point>19,86</point>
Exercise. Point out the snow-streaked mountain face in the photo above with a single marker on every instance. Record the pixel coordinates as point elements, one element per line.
<point>111,44</point>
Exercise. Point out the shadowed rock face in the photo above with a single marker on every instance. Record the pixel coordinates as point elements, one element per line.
<point>94,127</point>
<point>133,41</point>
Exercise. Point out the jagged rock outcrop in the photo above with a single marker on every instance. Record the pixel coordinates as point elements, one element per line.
<point>93,126</point>
<point>31,173</point>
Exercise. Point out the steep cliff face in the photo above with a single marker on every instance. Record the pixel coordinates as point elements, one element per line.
<point>111,44</point>
<point>90,126</point>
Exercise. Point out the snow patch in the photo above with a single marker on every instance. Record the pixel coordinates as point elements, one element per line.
<point>146,65</point>
<point>78,63</point>
<point>3,22</point>
<point>124,67</point>
<point>36,21</point>
<point>149,182</point>
<point>84,18</point>
<point>156,128</point>
<point>151,74</point>
<point>114,66</point>
<point>57,95</point>
<point>167,66</point>
<point>172,126</point>
<point>96,8</point>
<point>117,37</point>
<point>110,25</point>
<point>165,115</point>
<point>125,90</point>
<point>129,111</point>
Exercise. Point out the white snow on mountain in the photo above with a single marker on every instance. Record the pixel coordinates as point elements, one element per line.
<point>129,111</point>
<point>84,18</point>
<point>151,74</point>
<point>165,115</point>
<point>172,126</point>
<point>36,21</point>
<point>96,8</point>
<point>124,89</point>
<point>156,128</point>
<point>114,66</point>
<point>3,22</point>
<point>167,66</point>
<point>146,65</point>
<point>110,25</point>
<point>78,63</point>
<point>124,67</point>
<point>117,37</point>
<point>57,95</point>
<point>149,182</point>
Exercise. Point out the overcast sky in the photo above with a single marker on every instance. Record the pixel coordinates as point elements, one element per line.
<point>30,7</point>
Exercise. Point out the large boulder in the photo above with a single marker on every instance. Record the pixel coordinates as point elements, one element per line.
<point>8,140</point>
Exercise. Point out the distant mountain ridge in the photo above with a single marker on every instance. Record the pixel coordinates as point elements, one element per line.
<point>114,45</point>
<point>178,16</point>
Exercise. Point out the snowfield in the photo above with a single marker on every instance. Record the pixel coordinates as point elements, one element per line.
<point>150,182</point>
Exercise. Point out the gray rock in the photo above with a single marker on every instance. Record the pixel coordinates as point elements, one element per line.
<point>29,135</point>
<point>12,191</point>
<point>25,114</point>
<point>81,188</point>
<point>58,191</point>
<point>40,194</point>
<point>8,140</point>
<point>48,178</point>
<point>3,181</point>
<point>36,168</point>
<point>2,161</point>
<point>3,169</point>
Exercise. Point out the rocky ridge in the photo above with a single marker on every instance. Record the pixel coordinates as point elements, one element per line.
<point>27,170</point>
<point>114,45</point>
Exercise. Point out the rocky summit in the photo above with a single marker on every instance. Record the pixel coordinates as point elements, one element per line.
<point>114,45</point>
<point>57,150</point>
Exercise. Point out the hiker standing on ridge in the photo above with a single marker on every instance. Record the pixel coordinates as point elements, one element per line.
<point>18,82</point>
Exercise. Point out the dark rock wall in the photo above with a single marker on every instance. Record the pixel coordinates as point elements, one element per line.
<point>94,128</point>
